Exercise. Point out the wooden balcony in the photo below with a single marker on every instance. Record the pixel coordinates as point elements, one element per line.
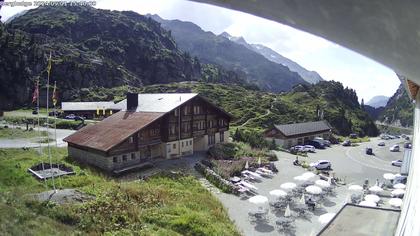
<point>197,133</point>
<point>186,135</point>
<point>148,142</point>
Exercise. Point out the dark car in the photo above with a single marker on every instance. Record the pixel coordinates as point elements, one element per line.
<point>317,144</point>
<point>353,136</point>
<point>369,151</point>
<point>407,138</point>
<point>54,113</point>
<point>79,118</point>
<point>347,143</point>
<point>407,145</point>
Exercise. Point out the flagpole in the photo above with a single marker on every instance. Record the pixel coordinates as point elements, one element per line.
<point>55,113</point>
<point>39,130</point>
<point>48,124</point>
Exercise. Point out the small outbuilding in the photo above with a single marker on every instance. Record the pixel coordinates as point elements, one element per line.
<point>289,135</point>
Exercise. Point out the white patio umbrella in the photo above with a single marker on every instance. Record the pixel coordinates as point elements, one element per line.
<point>325,218</point>
<point>288,186</point>
<point>375,189</point>
<point>389,176</point>
<point>278,193</point>
<point>398,192</point>
<point>300,178</point>
<point>395,202</point>
<point>367,203</point>
<point>322,183</point>
<point>313,189</point>
<point>372,198</point>
<point>287,212</point>
<point>399,186</point>
<point>246,165</point>
<point>308,175</point>
<point>355,187</point>
<point>302,199</point>
<point>259,199</point>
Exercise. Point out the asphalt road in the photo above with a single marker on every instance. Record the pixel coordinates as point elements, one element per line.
<point>354,165</point>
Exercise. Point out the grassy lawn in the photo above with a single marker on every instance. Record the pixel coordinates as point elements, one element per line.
<point>12,133</point>
<point>162,205</point>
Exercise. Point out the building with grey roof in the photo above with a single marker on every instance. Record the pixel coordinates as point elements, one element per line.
<point>288,135</point>
<point>89,110</point>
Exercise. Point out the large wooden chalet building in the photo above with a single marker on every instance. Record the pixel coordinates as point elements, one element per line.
<point>148,127</point>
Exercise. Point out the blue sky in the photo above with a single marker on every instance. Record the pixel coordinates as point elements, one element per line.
<point>330,60</point>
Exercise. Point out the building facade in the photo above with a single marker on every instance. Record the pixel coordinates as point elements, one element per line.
<point>89,110</point>
<point>290,135</point>
<point>153,126</point>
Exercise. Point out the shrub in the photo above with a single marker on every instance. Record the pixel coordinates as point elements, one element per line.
<point>223,151</point>
<point>272,156</point>
<point>214,178</point>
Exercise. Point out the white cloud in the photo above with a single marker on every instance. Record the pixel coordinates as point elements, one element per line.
<point>330,60</point>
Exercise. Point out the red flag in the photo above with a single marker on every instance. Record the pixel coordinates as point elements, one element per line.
<point>36,92</point>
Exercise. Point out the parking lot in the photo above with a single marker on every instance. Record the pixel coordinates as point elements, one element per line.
<point>350,164</point>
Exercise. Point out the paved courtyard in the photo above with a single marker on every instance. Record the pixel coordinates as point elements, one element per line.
<point>348,163</point>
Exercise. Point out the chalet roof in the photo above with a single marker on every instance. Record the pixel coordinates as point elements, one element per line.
<point>303,128</point>
<point>157,102</point>
<point>85,106</point>
<point>113,130</point>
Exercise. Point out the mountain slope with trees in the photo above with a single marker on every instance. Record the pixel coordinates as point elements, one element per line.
<point>399,109</point>
<point>258,110</point>
<point>93,48</point>
<point>217,49</point>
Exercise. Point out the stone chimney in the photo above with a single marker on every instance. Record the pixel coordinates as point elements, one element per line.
<point>132,101</point>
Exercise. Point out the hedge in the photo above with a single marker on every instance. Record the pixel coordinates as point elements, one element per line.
<point>215,179</point>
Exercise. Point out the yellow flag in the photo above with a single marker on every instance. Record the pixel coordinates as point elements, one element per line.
<point>104,111</point>
<point>97,111</point>
<point>49,65</point>
<point>54,96</point>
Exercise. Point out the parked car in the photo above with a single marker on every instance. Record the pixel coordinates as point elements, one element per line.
<point>394,148</point>
<point>317,144</point>
<point>309,148</point>
<point>396,163</point>
<point>54,113</point>
<point>79,118</point>
<point>297,148</point>
<point>70,117</point>
<point>407,145</point>
<point>403,135</point>
<point>321,165</point>
<point>353,135</point>
<point>369,151</point>
<point>407,138</point>
<point>323,141</point>
<point>347,143</point>
<point>381,144</point>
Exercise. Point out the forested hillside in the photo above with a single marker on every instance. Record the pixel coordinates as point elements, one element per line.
<point>93,48</point>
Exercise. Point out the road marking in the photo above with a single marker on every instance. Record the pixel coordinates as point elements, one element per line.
<point>366,165</point>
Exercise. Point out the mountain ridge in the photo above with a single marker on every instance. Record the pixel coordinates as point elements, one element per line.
<point>311,77</point>
<point>216,49</point>
<point>378,101</point>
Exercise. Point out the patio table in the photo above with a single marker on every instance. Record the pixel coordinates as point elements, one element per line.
<point>284,222</point>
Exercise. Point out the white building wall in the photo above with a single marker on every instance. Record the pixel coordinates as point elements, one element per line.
<point>217,137</point>
<point>410,212</point>
<point>179,148</point>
